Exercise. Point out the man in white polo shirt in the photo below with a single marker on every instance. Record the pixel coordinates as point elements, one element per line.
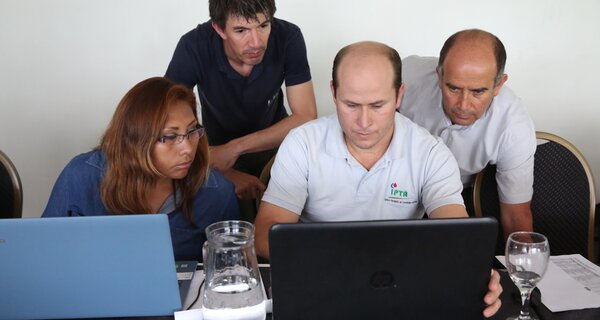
<point>462,99</point>
<point>366,162</point>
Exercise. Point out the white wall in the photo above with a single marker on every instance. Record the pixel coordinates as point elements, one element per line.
<point>64,64</point>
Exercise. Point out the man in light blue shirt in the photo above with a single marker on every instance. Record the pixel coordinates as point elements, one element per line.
<point>462,99</point>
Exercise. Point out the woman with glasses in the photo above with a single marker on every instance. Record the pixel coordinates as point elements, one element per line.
<point>153,158</point>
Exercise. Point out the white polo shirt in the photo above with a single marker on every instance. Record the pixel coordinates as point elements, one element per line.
<point>504,135</point>
<point>315,176</point>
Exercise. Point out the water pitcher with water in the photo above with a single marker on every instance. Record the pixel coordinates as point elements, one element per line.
<point>232,288</point>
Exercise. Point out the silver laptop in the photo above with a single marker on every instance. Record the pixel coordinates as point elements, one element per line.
<point>410,269</point>
<point>84,267</point>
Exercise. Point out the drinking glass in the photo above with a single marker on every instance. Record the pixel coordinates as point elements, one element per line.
<point>527,255</point>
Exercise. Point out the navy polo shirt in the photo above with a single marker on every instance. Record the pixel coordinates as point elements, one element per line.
<point>232,105</point>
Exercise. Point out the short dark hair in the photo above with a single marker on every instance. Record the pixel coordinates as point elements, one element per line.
<point>220,10</point>
<point>386,50</point>
<point>498,48</point>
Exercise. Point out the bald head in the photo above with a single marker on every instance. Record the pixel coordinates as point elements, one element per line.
<point>475,44</point>
<point>363,52</point>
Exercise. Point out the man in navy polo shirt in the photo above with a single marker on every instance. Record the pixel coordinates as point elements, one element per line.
<point>239,60</point>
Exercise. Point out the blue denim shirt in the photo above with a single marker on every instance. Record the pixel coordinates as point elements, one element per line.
<point>77,193</point>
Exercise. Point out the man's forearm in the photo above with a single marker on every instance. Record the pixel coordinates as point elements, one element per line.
<point>516,217</point>
<point>268,138</point>
<point>268,215</point>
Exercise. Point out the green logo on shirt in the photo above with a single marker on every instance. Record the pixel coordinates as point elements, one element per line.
<point>397,193</point>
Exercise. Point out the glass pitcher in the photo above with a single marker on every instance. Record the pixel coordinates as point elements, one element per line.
<point>232,287</point>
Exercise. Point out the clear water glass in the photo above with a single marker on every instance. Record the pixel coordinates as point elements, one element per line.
<point>527,256</point>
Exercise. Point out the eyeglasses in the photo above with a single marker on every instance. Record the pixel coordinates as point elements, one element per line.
<point>192,136</point>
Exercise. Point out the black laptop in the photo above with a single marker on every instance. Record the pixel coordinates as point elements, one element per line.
<point>401,269</point>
